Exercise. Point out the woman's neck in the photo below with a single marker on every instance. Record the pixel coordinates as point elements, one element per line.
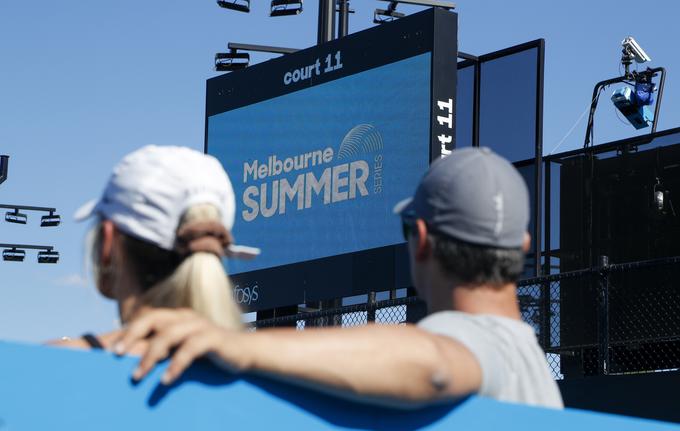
<point>128,296</point>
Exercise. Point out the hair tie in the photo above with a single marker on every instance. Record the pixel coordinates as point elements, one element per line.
<point>205,236</point>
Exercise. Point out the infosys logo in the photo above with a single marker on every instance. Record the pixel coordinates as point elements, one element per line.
<point>247,294</point>
<point>340,180</point>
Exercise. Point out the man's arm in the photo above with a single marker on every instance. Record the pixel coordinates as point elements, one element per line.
<point>379,362</point>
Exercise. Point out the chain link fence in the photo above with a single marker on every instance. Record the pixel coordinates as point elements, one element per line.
<point>391,311</point>
<point>612,319</point>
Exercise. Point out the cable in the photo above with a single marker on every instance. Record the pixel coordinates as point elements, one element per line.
<point>616,111</point>
<point>583,114</point>
<point>571,129</point>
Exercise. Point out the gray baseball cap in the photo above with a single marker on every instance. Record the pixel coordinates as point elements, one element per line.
<point>472,195</point>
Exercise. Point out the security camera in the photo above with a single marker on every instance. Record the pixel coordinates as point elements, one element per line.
<point>631,47</point>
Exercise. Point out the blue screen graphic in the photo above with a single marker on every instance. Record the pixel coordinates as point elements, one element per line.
<point>317,172</point>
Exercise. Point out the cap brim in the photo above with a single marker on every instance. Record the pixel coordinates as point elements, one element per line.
<point>86,210</point>
<point>241,252</point>
<point>402,206</point>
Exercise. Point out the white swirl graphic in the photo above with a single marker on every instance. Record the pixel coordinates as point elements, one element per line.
<point>363,138</point>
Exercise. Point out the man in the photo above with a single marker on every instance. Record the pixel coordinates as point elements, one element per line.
<point>466,232</point>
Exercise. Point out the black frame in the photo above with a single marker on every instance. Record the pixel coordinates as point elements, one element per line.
<point>476,63</point>
<point>384,268</point>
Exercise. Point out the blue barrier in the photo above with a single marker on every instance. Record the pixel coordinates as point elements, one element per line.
<point>45,388</point>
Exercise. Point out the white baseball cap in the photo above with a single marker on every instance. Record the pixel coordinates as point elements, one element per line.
<point>151,188</point>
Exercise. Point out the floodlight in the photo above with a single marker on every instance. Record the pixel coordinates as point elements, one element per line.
<point>381,16</point>
<point>13,255</point>
<point>16,217</point>
<point>50,220</point>
<point>285,7</point>
<point>442,4</point>
<point>48,256</point>
<point>233,60</point>
<point>4,167</point>
<point>237,5</point>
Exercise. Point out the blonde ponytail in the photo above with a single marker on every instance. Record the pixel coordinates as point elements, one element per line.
<point>199,282</point>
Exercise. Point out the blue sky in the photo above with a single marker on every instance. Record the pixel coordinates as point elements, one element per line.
<point>82,83</point>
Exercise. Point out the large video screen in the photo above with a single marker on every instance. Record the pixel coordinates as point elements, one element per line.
<point>317,172</point>
<point>320,145</point>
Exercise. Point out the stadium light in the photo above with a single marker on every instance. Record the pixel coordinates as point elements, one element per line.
<point>4,167</point>
<point>237,5</point>
<point>50,220</point>
<point>232,60</point>
<point>235,60</point>
<point>17,253</point>
<point>13,255</point>
<point>431,3</point>
<point>285,7</point>
<point>48,256</point>
<point>16,217</point>
<point>381,16</point>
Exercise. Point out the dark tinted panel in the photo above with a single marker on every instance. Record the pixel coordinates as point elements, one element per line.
<point>528,172</point>
<point>508,105</point>
<point>464,106</point>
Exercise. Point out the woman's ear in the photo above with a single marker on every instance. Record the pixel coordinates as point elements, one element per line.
<point>105,276</point>
<point>106,243</point>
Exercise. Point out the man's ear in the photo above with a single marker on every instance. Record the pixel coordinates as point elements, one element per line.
<point>423,245</point>
<point>106,244</point>
<point>526,245</point>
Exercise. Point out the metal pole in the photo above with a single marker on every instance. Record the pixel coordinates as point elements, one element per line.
<point>343,18</point>
<point>370,308</point>
<point>657,108</point>
<point>326,30</point>
<point>544,338</point>
<point>603,316</point>
<point>476,92</point>
<point>261,48</point>
<point>27,208</point>
<point>547,266</point>
<point>593,105</point>
<point>27,246</point>
<point>539,159</point>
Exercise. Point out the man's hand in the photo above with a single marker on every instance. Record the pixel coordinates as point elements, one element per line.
<point>191,335</point>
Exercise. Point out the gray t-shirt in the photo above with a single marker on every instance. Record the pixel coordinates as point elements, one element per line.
<point>514,367</point>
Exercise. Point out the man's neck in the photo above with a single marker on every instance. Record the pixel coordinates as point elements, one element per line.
<point>487,299</point>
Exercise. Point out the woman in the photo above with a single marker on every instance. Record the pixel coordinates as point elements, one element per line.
<point>164,224</point>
